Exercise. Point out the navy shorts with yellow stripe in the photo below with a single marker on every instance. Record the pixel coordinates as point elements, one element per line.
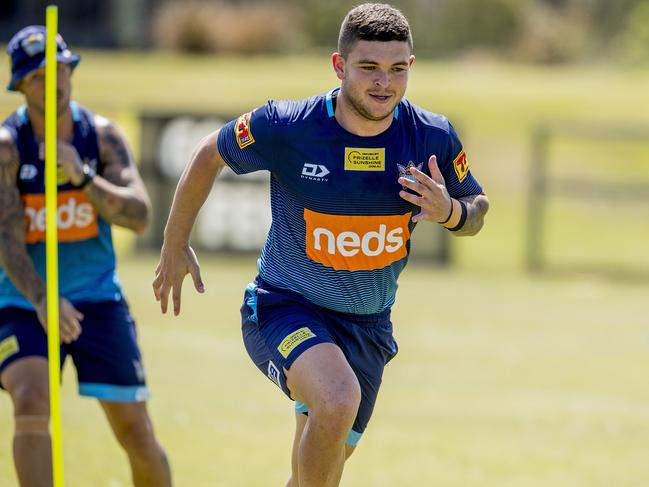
<point>106,355</point>
<point>279,325</point>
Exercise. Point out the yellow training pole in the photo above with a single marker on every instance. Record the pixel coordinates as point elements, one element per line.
<point>51,243</point>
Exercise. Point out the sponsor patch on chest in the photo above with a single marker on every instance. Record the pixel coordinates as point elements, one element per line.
<point>362,159</point>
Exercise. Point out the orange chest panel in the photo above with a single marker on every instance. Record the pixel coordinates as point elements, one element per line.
<point>356,242</point>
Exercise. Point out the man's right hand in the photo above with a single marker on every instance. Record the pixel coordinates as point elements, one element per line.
<point>175,263</point>
<point>69,319</point>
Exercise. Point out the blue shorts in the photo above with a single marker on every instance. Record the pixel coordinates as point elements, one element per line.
<point>106,355</point>
<point>279,325</point>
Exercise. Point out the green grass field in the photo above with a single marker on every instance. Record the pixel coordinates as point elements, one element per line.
<point>502,379</point>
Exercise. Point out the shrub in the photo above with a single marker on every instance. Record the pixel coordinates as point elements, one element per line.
<point>553,35</point>
<point>206,26</point>
<point>633,43</point>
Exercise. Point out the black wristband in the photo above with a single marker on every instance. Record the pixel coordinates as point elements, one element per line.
<point>449,215</point>
<point>462,221</point>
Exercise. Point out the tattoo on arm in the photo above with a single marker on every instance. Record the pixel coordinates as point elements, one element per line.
<point>477,206</point>
<point>118,194</point>
<point>13,254</point>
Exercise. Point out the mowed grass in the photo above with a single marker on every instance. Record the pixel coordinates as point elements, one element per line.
<point>501,380</point>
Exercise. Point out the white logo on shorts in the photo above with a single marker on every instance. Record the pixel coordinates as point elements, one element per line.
<point>273,373</point>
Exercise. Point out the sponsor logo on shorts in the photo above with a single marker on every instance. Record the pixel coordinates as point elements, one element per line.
<point>356,243</point>
<point>361,159</point>
<point>242,131</point>
<point>461,166</point>
<point>8,347</point>
<point>76,217</point>
<point>273,373</point>
<point>293,340</point>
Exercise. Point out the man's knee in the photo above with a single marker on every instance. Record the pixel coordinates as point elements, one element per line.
<point>30,400</point>
<point>338,407</point>
<point>136,436</point>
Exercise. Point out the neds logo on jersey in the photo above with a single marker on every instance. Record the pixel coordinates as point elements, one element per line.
<point>356,243</point>
<point>76,217</point>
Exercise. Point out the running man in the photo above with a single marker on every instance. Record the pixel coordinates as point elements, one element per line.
<point>98,185</point>
<point>352,173</point>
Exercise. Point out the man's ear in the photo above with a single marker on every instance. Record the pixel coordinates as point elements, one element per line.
<point>338,62</point>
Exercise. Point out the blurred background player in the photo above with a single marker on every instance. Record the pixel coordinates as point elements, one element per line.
<point>352,172</point>
<point>98,185</point>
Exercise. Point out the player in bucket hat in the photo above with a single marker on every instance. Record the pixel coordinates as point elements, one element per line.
<point>27,52</point>
<point>98,186</point>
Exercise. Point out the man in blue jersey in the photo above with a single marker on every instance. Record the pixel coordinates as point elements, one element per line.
<point>98,185</point>
<point>352,172</point>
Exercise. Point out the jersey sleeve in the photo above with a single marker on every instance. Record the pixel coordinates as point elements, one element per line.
<point>245,143</point>
<point>454,166</point>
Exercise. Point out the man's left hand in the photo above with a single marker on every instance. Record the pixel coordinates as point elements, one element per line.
<point>433,199</point>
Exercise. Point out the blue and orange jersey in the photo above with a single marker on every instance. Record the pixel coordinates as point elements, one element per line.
<point>86,255</point>
<point>340,232</point>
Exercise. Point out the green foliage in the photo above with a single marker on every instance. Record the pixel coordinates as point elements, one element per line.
<point>552,34</point>
<point>458,25</point>
<point>201,26</point>
<point>634,40</point>
<point>545,31</point>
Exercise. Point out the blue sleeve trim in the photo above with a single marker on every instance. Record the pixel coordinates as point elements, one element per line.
<point>330,103</point>
<point>353,438</point>
<point>109,392</point>
<point>76,114</point>
<point>301,408</point>
<point>22,114</point>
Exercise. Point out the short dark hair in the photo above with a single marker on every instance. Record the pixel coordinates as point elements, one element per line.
<point>373,22</point>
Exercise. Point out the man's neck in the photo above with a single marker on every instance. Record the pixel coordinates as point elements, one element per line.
<point>353,122</point>
<point>64,125</point>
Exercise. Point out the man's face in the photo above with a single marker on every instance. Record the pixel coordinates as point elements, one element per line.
<point>374,76</point>
<point>33,87</point>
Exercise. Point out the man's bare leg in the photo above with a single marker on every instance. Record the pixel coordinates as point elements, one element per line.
<point>26,380</point>
<point>300,424</point>
<point>322,378</point>
<point>134,431</point>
